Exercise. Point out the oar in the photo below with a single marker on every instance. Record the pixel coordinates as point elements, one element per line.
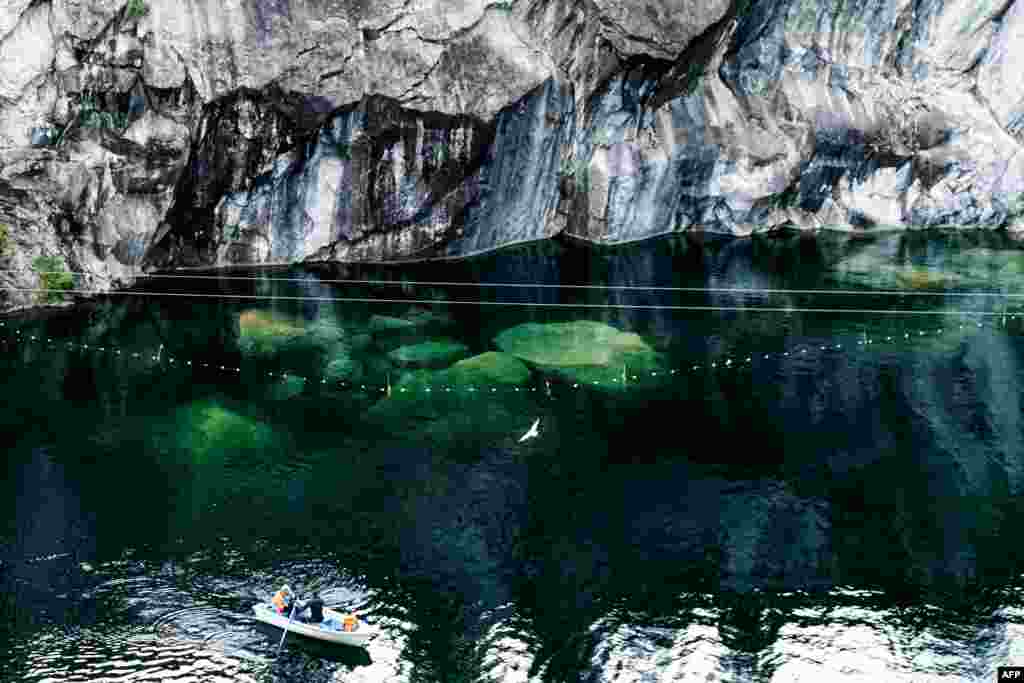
<point>295,603</point>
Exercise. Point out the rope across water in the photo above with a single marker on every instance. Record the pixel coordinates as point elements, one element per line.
<point>12,339</point>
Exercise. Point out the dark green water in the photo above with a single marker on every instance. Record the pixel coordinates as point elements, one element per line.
<point>816,478</point>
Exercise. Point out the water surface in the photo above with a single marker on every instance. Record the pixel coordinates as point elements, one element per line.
<point>802,457</point>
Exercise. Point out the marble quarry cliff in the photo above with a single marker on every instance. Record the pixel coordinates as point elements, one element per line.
<point>157,134</point>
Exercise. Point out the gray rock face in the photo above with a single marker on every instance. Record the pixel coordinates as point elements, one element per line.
<point>173,133</point>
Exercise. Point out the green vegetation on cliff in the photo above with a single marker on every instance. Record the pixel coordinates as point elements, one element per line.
<point>53,278</point>
<point>135,8</point>
<point>576,174</point>
<point>91,115</point>
<point>694,76</point>
<point>787,199</point>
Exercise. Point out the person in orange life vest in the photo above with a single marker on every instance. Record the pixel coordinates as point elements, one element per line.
<point>350,623</point>
<point>283,599</point>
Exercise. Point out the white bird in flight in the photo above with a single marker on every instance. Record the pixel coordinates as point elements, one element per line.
<point>532,433</point>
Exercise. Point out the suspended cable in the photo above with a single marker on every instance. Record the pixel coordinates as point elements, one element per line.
<point>748,309</point>
<point>652,288</point>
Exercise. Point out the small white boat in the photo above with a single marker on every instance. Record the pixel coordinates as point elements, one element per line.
<point>330,629</point>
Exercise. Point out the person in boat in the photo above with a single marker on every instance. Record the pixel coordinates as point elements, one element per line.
<point>316,610</point>
<point>283,600</point>
<point>349,622</point>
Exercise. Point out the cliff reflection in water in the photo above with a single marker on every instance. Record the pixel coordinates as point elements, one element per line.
<point>844,498</point>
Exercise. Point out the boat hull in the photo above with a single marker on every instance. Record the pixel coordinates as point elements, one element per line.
<point>268,615</point>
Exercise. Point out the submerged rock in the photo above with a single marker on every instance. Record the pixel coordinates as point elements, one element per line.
<point>582,342</point>
<point>1003,268</point>
<point>880,268</point>
<point>326,334</point>
<point>388,333</point>
<point>868,272</point>
<point>385,323</point>
<point>471,404</point>
<point>482,373</point>
<point>319,349</point>
<point>415,318</point>
<point>286,388</point>
<point>489,368</point>
<point>583,351</point>
<point>208,430</point>
<point>343,369</point>
<point>464,409</point>
<point>432,354</point>
<point>266,332</point>
<point>361,342</point>
<point>425,316</point>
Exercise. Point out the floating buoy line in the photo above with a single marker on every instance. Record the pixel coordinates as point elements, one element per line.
<point>11,339</point>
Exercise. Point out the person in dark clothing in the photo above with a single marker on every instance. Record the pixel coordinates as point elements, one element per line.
<point>316,610</point>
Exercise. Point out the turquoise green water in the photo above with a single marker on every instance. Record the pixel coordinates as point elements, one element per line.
<point>818,475</point>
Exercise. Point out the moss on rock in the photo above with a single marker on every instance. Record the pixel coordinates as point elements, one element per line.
<point>207,429</point>
<point>421,407</point>
<point>387,323</point>
<point>924,278</point>
<point>343,369</point>
<point>971,267</point>
<point>867,270</point>
<point>432,354</point>
<point>583,351</point>
<point>582,342</point>
<point>325,334</point>
<point>489,368</point>
<point>264,332</point>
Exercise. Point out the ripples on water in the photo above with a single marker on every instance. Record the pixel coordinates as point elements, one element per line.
<point>841,507</point>
<point>155,627</point>
<point>174,622</point>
